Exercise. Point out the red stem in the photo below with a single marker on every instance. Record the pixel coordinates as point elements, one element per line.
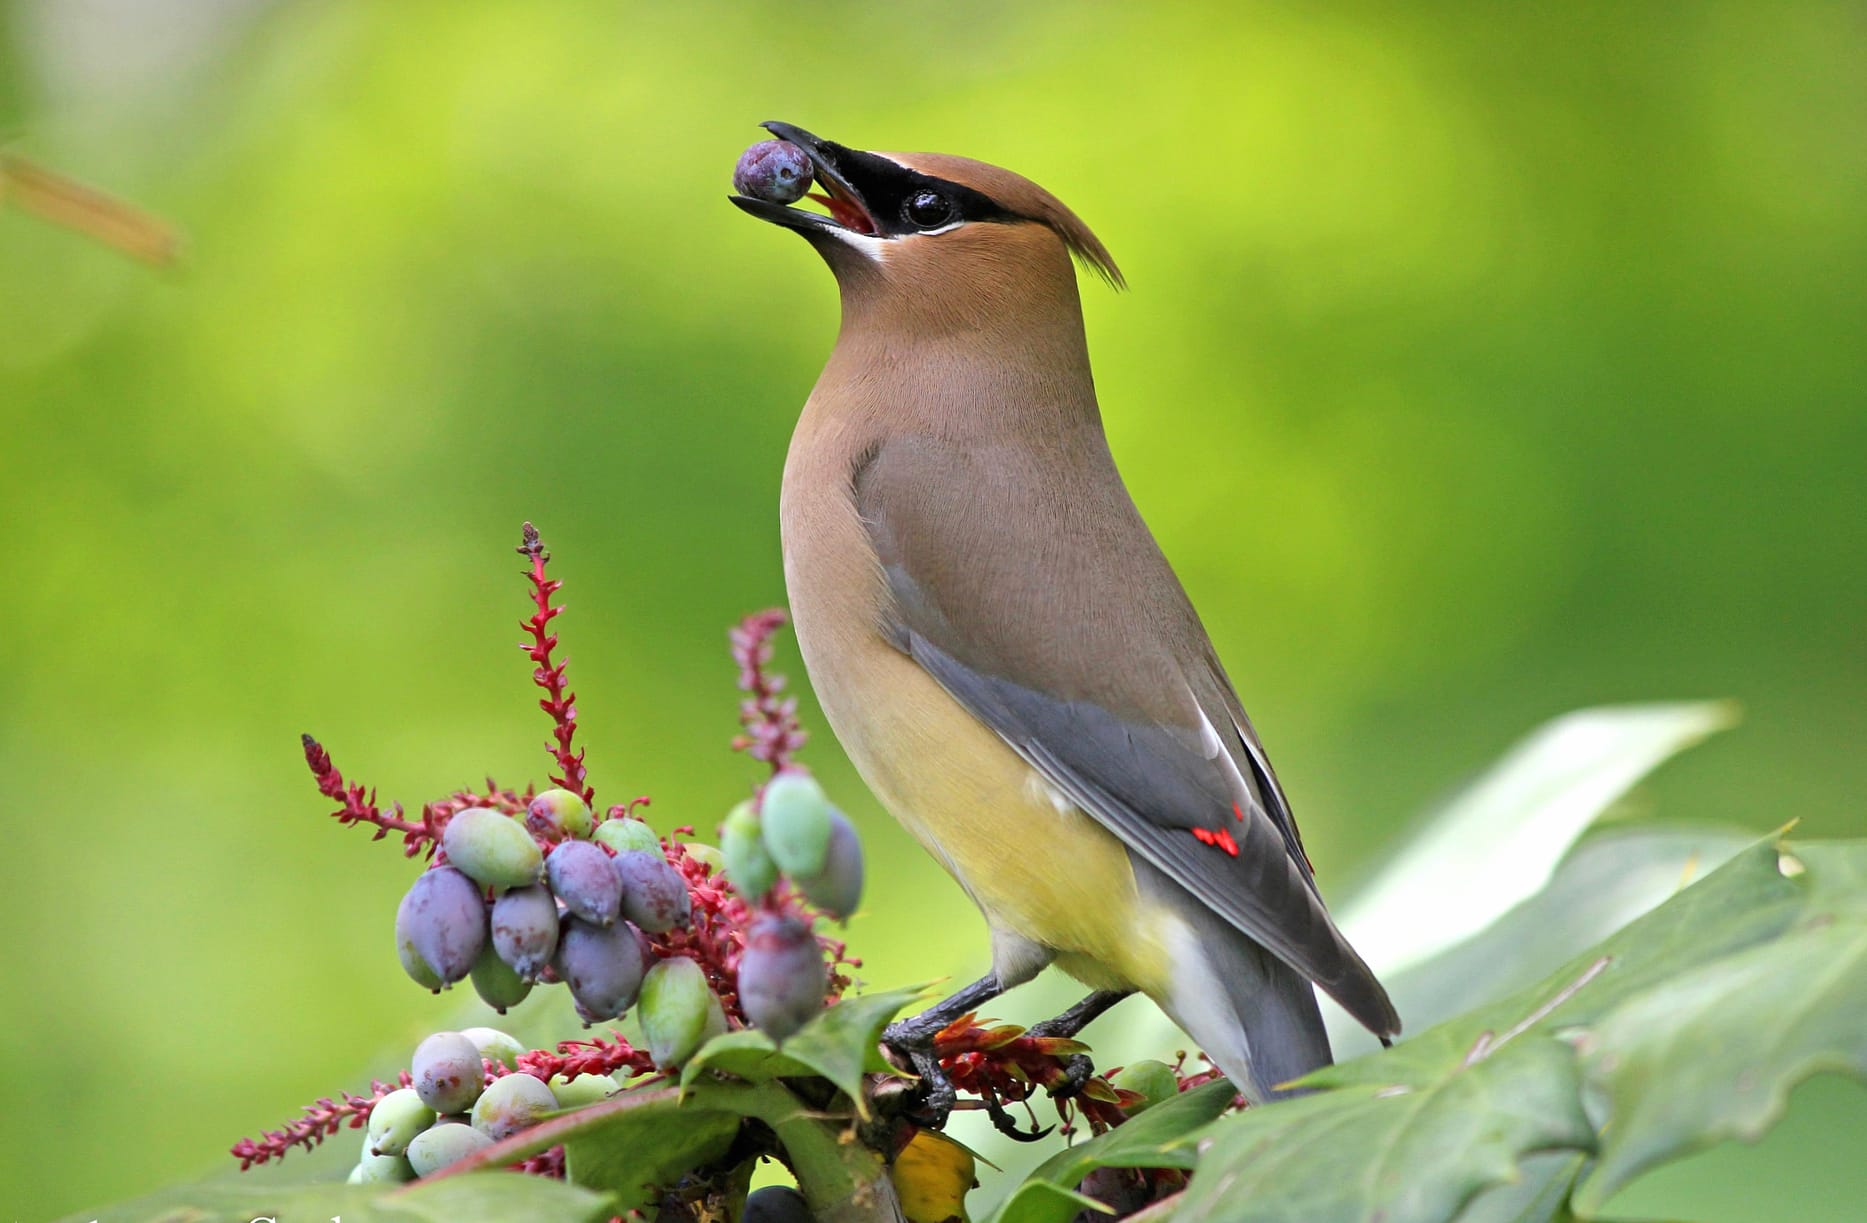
<point>321,1121</point>
<point>559,701</point>
<point>359,806</point>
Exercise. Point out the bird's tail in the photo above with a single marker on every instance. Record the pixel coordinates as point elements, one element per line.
<point>1252,1014</point>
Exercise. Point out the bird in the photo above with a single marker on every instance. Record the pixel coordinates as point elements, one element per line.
<point>1000,645</point>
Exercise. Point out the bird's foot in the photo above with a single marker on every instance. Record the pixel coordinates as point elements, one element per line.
<point>912,1042</point>
<point>1077,1071</point>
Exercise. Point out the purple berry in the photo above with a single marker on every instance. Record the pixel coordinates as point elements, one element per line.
<point>776,1204</point>
<point>603,965</point>
<point>584,880</point>
<point>837,888</point>
<point>440,927</point>
<point>782,977</point>
<point>448,1072</point>
<point>773,170</point>
<point>654,895</point>
<point>525,930</point>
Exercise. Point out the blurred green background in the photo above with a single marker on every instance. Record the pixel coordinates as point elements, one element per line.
<point>1480,362</point>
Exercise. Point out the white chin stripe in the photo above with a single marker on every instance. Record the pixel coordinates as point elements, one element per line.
<point>873,247</point>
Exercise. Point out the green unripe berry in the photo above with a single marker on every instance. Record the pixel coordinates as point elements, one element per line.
<point>748,863</point>
<point>394,1121</point>
<point>381,1170</point>
<point>495,982</point>
<point>492,849</point>
<point>795,817</point>
<point>673,1009</point>
<point>510,1104</point>
<point>495,1046</point>
<point>559,815</point>
<point>1153,1081</point>
<point>444,1144</point>
<point>582,1090</point>
<point>623,833</point>
<point>708,856</point>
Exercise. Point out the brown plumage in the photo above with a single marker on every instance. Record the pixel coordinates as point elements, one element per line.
<point>1000,644</point>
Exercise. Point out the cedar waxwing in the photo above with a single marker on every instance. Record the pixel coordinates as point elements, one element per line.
<point>999,643</point>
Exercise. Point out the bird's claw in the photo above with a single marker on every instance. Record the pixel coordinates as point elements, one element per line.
<point>1007,1124</point>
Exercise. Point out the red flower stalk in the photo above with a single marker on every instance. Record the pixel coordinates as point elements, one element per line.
<point>594,1056</point>
<point>321,1121</point>
<point>559,701</point>
<point>359,806</point>
<point>772,732</point>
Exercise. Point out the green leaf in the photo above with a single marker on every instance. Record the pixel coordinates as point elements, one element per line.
<point>1402,1155</point>
<point>627,1144</point>
<point>632,1152</point>
<point>841,1045</point>
<point>494,1197</point>
<point>1712,1053</point>
<point>1161,1137</point>
<point>1498,841</point>
<point>1745,902</point>
<point>1611,877</point>
<point>1540,1194</point>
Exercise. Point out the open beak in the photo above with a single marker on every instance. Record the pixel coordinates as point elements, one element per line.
<point>836,167</point>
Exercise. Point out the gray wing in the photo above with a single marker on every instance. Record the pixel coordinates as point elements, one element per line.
<point>1069,635</point>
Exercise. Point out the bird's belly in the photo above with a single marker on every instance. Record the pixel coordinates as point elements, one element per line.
<point>1040,870</point>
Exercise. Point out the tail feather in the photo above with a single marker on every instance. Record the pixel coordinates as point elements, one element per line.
<point>1253,1015</point>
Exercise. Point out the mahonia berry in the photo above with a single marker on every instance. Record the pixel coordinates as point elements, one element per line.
<point>559,815</point>
<point>623,832</point>
<point>654,895</point>
<point>525,929</point>
<point>603,965</point>
<point>440,927</point>
<point>510,1104</point>
<point>444,1144</point>
<point>581,876</point>
<point>794,817</point>
<point>492,848</point>
<point>448,1072</point>
<point>782,977</point>
<point>837,887</point>
<point>678,1010</point>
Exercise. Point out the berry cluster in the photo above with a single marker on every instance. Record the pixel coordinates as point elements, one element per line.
<point>556,895</point>
<point>466,1091</point>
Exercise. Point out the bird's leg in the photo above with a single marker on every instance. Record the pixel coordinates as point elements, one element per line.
<point>918,1032</point>
<point>914,1038</point>
<point>1078,1068</point>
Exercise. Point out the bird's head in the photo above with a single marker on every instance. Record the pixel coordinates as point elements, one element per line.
<point>947,233</point>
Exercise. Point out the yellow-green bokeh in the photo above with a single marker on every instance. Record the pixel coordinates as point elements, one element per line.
<point>1480,362</point>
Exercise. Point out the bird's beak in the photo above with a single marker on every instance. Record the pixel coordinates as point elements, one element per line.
<point>840,172</point>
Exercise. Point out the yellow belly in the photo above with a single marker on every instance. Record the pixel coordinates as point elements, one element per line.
<point>1040,870</point>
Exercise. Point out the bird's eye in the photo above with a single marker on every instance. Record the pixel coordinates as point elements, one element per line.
<point>928,209</point>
